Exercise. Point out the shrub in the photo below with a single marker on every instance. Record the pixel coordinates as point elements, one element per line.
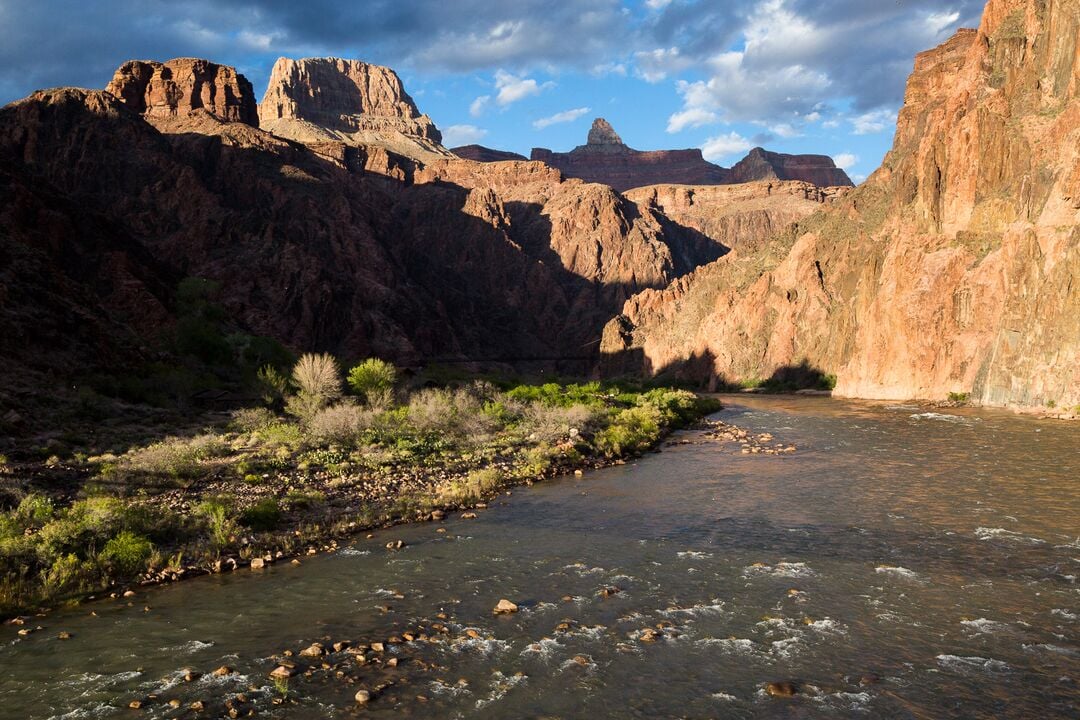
<point>318,376</point>
<point>252,419</point>
<point>341,423</point>
<point>632,430</point>
<point>127,553</point>
<point>174,458</point>
<point>264,516</point>
<point>552,423</point>
<point>372,375</point>
<point>34,509</point>
<point>677,407</point>
<point>471,488</point>
<point>220,526</point>
<point>273,386</point>
<point>959,397</point>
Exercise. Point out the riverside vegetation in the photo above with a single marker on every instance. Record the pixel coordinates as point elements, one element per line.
<point>316,459</point>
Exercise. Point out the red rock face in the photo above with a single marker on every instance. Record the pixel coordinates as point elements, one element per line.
<point>952,269</point>
<point>479,153</point>
<point>606,159</point>
<point>183,85</point>
<point>761,164</point>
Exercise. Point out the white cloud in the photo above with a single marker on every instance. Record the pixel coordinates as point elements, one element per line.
<point>657,4</point>
<point>845,161</point>
<point>721,146</point>
<point>513,88</point>
<point>784,130</point>
<point>479,105</point>
<point>652,66</point>
<point>812,117</point>
<point>611,68</point>
<point>457,135</point>
<point>692,118</point>
<point>562,117</point>
<point>874,121</point>
<point>939,22</point>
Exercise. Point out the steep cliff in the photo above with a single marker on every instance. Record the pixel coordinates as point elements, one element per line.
<point>330,99</point>
<point>954,268</point>
<point>180,86</point>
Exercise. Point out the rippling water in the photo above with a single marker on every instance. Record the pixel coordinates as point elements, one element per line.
<point>902,563</point>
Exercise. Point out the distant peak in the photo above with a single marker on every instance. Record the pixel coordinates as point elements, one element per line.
<point>602,133</point>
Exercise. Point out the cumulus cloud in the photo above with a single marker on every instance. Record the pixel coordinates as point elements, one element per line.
<point>874,121</point>
<point>479,105</point>
<point>652,66</point>
<point>691,118</point>
<point>721,147</point>
<point>845,161</point>
<point>562,117</point>
<point>457,135</point>
<point>513,88</point>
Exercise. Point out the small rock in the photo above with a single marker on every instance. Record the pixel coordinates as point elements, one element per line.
<point>505,607</point>
<point>782,688</point>
<point>392,662</point>
<point>377,647</point>
<point>191,675</point>
<point>282,672</point>
<point>129,593</point>
<point>395,545</point>
<point>223,671</point>
<point>295,562</point>
<point>313,650</point>
<point>197,706</point>
<point>341,645</point>
<point>64,635</point>
<point>257,563</point>
<point>135,704</point>
<point>468,516</point>
<point>174,703</point>
<point>363,696</point>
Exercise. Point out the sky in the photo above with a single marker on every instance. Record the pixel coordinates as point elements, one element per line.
<point>796,76</point>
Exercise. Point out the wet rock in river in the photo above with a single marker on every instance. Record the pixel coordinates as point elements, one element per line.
<point>782,688</point>
<point>282,672</point>
<point>223,671</point>
<point>313,650</point>
<point>505,607</point>
<point>363,696</point>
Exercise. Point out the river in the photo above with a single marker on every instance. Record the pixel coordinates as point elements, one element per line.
<point>904,562</point>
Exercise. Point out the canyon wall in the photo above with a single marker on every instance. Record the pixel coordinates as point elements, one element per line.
<point>954,268</point>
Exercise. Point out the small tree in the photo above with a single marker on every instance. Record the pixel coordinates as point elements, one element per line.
<point>318,382</point>
<point>372,376</point>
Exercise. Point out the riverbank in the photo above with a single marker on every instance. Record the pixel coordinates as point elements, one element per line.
<point>261,486</point>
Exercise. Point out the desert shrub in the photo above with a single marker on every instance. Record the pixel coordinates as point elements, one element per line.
<point>676,407</point>
<point>318,382</point>
<point>536,460</point>
<point>174,458</point>
<point>264,516</point>
<point>85,525</point>
<point>556,395</point>
<point>283,434</point>
<point>221,527</point>
<point>126,553</point>
<point>632,430</point>
<point>372,375</point>
<point>302,499</point>
<point>273,386</point>
<point>34,509</point>
<point>252,419</point>
<point>470,489</point>
<point>340,423</point>
<point>66,574</point>
<point>959,397</point>
<point>551,423</point>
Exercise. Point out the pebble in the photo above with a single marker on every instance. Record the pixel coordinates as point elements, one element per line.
<point>313,650</point>
<point>223,671</point>
<point>363,696</point>
<point>782,688</point>
<point>282,672</point>
<point>505,607</point>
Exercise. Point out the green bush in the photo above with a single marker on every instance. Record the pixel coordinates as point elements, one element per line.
<point>252,419</point>
<point>34,509</point>
<point>264,516</point>
<point>372,375</point>
<point>220,526</point>
<point>632,430</point>
<point>273,386</point>
<point>127,553</point>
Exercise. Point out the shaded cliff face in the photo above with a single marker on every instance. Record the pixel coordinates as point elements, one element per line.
<point>479,153</point>
<point>606,159</point>
<point>760,164</point>
<point>329,245</point>
<point>330,99</point>
<point>952,269</point>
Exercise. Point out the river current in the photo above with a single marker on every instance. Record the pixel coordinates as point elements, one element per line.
<point>904,562</point>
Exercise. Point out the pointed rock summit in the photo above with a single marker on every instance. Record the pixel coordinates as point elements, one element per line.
<point>326,99</point>
<point>184,85</point>
<point>760,164</point>
<point>602,133</point>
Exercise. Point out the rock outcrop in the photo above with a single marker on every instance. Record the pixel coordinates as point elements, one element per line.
<point>479,153</point>
<point>180,86</point>
<point>954,268</point>
<point>606,159</point>
<point>760,164</point>
<point>330,99</point>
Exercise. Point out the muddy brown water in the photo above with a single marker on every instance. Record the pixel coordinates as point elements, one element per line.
<point>935,555</point>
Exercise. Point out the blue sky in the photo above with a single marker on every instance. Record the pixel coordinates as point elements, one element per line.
<point>824,76</point>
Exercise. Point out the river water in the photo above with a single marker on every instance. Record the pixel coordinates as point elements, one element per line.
<point>902,563</point>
